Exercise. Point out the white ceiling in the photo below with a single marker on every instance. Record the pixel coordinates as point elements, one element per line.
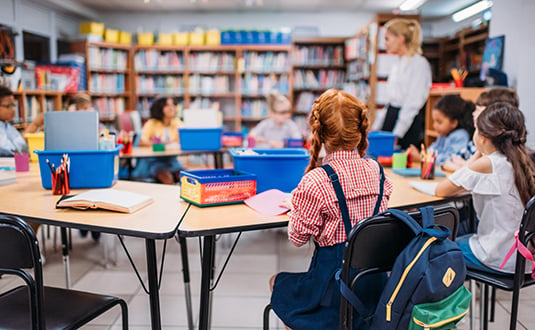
<point>431,9</point>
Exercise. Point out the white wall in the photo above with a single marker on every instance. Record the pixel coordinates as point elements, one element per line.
<point>337,24</point>
<point>514,19</point>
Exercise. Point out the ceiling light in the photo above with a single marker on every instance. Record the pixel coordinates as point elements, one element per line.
<point>472,10</point>
<point>411,4</point>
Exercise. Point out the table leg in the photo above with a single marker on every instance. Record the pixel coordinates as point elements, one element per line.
<point>185,274</point>
<point>152,273</point>
<point>206,276</point>
<point>65,253</point>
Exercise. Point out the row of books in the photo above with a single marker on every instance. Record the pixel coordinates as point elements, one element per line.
<point>253,84</point>
<point>254,109</point>
<point>107,83</point>
<point>358,70</point>
<point>155,60</point>
<point>305,100</point>
<point>168,84</point>
<point>356,48</point>
<point>360,89</point>
<point>318,79</point>
<point>212,62</point>
<point>107,58</point>
<point>206,85</point>
<point>109,107</point>
<point>318,55</point>
<point>266,61</point>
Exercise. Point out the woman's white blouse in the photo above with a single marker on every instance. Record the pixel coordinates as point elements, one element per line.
<point>498,207</point>
<point>408,87</point>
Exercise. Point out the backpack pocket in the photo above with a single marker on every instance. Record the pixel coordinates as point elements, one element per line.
<point>442,314</point>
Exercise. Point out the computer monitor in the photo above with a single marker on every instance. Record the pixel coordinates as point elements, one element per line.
<point>71,130</point>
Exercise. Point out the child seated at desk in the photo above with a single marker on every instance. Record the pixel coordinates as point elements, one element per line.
<point>453,121</point>
<point>279,127</point>
<point>501,178</point>
<point>311,300</point>
<point>163,126</point>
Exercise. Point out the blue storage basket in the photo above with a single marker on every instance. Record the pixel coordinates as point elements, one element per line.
<point>88,168</point>
<point>200,138</point>
<point>274,168</point>
<point>380,143</point>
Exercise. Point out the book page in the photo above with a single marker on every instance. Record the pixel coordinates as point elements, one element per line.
<point>425,187</point>
<point>118,200</point>
<point>268,202</point>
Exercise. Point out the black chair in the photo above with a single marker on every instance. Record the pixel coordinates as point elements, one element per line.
<point>34,306</point>
<point>509,282</point>
<point>374,244</point>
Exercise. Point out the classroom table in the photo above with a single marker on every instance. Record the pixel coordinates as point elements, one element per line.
<point>158,221</point>
<point>174,150</point>
<point>211,221</point>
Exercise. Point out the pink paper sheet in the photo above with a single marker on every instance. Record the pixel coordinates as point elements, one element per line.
<point>268,202</point>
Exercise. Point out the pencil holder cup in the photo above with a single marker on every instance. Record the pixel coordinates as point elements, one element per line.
<point>427,171</point>
<point>399,160</point>
<point>60,183</point>
<point>127,147</point>
<point>22,162</point>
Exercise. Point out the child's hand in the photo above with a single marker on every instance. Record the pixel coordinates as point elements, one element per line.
<point>458,160</point>
<point>414,153</point>
<point>451,166</point>
<point>276,144</point>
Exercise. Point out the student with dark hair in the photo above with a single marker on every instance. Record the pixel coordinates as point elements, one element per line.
<point>10,138</point>
<point>453,121</point>
<point>501,178</point>
<point>163,125</point>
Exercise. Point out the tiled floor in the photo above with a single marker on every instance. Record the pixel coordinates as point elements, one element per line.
<point>238,300</point>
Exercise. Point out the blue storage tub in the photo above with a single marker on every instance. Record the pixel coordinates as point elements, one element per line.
<point>228,37</point>
<point>380,143</point>
<point>88,168</point>
<point>274,168</point>
<point>200,138</point>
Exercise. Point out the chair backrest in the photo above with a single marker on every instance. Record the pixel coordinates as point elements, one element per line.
<point>125,122</point>
<point>19,250</point>
<point>374,244</point>
<point>526,233</point>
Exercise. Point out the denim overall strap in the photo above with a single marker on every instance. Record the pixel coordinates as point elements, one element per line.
<point>342,200</point>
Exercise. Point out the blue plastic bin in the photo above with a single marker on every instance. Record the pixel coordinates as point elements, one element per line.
<point>200,138</point>
<point>88,168</point>
<point>274,168</point>
<point>381,143</point>
<point>228,37</point>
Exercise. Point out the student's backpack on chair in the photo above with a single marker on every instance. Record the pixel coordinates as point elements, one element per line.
<point>425,288</point>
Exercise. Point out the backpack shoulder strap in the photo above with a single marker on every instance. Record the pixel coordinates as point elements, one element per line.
<point>407,219</point>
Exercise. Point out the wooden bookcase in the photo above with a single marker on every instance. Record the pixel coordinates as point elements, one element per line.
<point>462,50</point>
<point>32,102</point>
<point>466,93</point>
<point>109,76</point>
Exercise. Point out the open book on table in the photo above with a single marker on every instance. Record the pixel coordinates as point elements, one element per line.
<point>108,199</point>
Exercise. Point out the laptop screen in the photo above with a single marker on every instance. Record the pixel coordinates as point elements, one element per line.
<point>71,130</point>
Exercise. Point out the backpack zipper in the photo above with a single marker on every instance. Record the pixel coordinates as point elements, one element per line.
<point>440,323</point>
<point>404,276</point>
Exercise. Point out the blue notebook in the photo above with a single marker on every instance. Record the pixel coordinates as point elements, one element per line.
<point>413,172</point>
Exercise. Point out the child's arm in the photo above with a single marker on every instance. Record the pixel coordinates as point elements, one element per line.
<point>448,188</point>
<point>36,124</point>
<point>305,217</point>
<point>414,153</point>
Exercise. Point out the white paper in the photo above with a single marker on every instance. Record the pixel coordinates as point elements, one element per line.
<point>425,187</point>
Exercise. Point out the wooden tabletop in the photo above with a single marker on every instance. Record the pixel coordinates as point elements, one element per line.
<point>200,221</point>
<point>28,199</point>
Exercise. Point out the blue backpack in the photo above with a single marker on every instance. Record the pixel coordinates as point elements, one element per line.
<point>425,288</point>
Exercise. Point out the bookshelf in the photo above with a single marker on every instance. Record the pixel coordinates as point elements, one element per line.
<point>32,102</point>
<point>261,69</point>
<point>462,50</point>
<point>109,76</point>
<point>318,64</point>
<point>357,65</point>
<point>158,70</point>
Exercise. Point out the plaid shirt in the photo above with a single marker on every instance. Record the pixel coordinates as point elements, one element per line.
<point>467,151</point>
<point>315,211</point>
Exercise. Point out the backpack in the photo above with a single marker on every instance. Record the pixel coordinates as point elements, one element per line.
<point>425,288</point>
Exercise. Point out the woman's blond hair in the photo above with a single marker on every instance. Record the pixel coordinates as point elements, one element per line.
<point>276,99</point>
<point>339,122</point>
<point>411,30</point>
